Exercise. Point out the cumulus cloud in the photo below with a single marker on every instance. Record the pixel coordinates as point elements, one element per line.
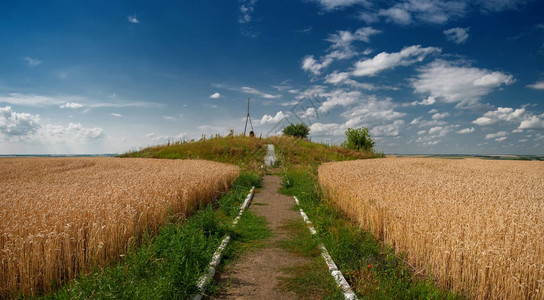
<point>506,114</point>
<point>496,135</point>
<point>14,126</point>
<point>501,139</point>
<point>539,85</point>
<point>428,101</point>
<point>457,35</point>
<point>452,83</point>
<point>253,91</point>
<point>268,119</point>
<point>387,130</point>
<point>438,116</point>
<point>310,64</point>
<point>133,19</point>
<point>72,105</point>
<point>341,48</point>
<point>532,122</point>
<point>466,130</point>
<point>21,127</point>
<point>384,60</point>
<point>336,77</point>
<point>408,11</point>
<point>339,98</point>
<point>215,95</point>
<point>32,62</point>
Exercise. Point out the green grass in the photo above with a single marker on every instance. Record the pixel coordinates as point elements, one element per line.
<point>311,280</point>
<point>246,152</point>
<point>373,270</point>
<point>169,264</point>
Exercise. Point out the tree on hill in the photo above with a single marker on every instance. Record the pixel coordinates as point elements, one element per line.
<point>299,130</point>
<point>359,139</point>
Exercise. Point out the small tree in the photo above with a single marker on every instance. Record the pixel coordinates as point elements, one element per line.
<point>299,130</point>
<point>359,139</point>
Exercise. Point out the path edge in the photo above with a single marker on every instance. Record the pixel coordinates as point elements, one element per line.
<point>204,280</point>
<point>336,274</point>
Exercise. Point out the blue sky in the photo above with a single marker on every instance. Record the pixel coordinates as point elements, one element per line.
<point>425,76</point>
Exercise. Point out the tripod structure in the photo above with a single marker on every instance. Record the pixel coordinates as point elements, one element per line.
<point>248,118</point>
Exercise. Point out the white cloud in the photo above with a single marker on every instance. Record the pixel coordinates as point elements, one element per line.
<point>170,118</point>
<point>32,62</point>
<point>466,130</point>
<point>268,119</point>
<point>384,60</point>
<point>433,111</point>
<point>310,64</point>
<point>421,132</point>
<point>427,11</point>
<point>339,98</point>
<point>133,19</point>
<point>73,105</point>
<point>457,35</point>
<point>496,135</point>
<point>387,130</point>
<point>505,114</point>
<point>428,101</point>
<point>438,116</point>
<point>327,129</point>
<point>252,91</point>
<point>338,4</point>
<point>117,115</point>
<point>341,48</point>
<point>41,101</point>
<point>539,85</point>
<point>20,127</point>
<point>246,10</point>
<point>396,15</point>
<point>533,122</point>
<point>451,83</point>
<point>501,5</point>
<point>15,126</point>
<point>415,121</point>
<point>372,111</point>
<point>150,134</point>
<point>336,77</point>
<point>342,41</point>
<point>215,95</point>
<point>500,139</point>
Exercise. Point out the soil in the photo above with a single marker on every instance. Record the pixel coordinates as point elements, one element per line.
<point>254,275</point>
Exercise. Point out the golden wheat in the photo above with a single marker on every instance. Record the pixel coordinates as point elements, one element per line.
<point>477,225</point>
<point>62,216</point>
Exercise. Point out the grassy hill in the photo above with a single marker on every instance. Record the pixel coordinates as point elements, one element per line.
<point>248,152</point>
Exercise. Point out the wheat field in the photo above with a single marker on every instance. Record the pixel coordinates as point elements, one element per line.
<point>62,216</point>
<point>477,226</point>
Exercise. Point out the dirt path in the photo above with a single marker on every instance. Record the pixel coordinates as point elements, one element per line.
<point>254,276</point>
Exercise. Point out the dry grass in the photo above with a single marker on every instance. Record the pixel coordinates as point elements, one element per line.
<point>476,225</point>
<point>62,216</point>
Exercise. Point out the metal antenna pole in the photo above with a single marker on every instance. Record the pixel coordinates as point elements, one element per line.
<point>247,118</point>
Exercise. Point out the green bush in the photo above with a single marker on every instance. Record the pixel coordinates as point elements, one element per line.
<point>299,130</point>
<point>359,139</point>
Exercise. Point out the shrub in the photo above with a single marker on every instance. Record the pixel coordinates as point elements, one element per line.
<point>359,139</point>
<point>299,130</point>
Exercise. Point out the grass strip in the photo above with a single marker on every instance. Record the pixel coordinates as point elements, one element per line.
<point>373,269</point>
<point>169,264</point>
